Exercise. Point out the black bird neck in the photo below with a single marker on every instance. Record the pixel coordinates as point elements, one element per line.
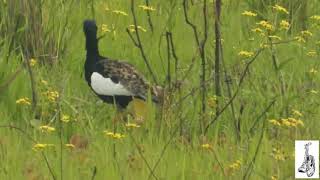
<point>93,55</point>
<point>92,48</point>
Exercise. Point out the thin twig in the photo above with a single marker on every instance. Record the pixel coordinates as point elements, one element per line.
<point>218,50</point>
<point>163,151</point>
<point>139,44</point>
<point>262,114</point>
<point>248,170</point>
<point>237,91</point>
<point>149,17</point>
<point>142,156</point>
<point>32,81</point>
<point>34,141</point>
<point>94,173</point>
<point>11,79</point>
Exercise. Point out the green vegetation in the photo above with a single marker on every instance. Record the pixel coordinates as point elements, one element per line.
<point>53,126</point>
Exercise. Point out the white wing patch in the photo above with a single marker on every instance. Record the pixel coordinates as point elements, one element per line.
<point>105,86</point>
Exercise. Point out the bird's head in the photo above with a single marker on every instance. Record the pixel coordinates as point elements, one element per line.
<point>90,28</point>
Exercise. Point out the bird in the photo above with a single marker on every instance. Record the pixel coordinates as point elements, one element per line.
<point>113,81</point>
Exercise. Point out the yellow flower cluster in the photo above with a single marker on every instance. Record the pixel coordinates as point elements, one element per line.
<point>249,13</point>
<point>300,39</point>
<point>212,101</point>
<point>65,118</point>
<point>280,9</point>
<point>147,8</point>
<point>277,154</point>
<point>23,101</point>
<point>274,177</point>
<point>313,71</point>
<point>132,125</point>
<point>265,24</point>
<point>313,91</point>
<point>246,54</point>
<point>44,82</point>
<point>275,37</point>
<point>32,62</point>
<point>288,122</point>
<point>132,29</point>
<point>315,17</point>
<point>257,30</point>
<point>104,28</point>
<point>47,129</point>
<point>306,33</point>
<point>52,95</point>
<point>71,146</point>
<point>40,147</point>
<point>236,165</point>
<point>284,25</point>
<point>296,113</point>
<point>114,135</point>
<point>120,12</point>
<point>312,53</point>
<point>207,146</point>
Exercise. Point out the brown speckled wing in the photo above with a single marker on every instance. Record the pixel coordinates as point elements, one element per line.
<point>126,74</point>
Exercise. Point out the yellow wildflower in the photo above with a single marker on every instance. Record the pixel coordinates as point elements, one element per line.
<point>275,122</point>
<point>113,135</point>
<point>274,177</point>
<point>306,33</point>
<point>312,53</point>
<point>235,165</point>
<point>32,62</point>
<point>212,101</point>
<point>313,71</point>
<point>257,30</point>
<point>52,95</point>
<point>249,13</point>
<point>24,101</point>
<point>147,8</point>
<point>47,129</point>
<point>315,17</point>
<point>263,45</point>
<point>132,29</point>
<point>120,12</point>
<point>65,118</point>
<point>132,125</point>
<point>40,147</point>
<point>292,122</point>
<point>284,25</point>
<point>265,24</point>
<point>277,154</point>
<point>44,82</point>
<point>296,113</point>
<point>104,28</point>
<point>71,146</point>
<point>300,39</point>
<point>280,9</point>
<point>106,8</point>
<point>206,146</point>
<point>246,54</point>
<point>275,37</point>
<point>313,91</point>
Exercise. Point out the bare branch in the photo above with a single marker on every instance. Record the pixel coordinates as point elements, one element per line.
<point>236,92</point>
<point>139,44</point>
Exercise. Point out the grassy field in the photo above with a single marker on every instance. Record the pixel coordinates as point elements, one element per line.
<point>53,127</point>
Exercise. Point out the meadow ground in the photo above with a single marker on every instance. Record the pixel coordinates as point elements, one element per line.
<point>244,127</point>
